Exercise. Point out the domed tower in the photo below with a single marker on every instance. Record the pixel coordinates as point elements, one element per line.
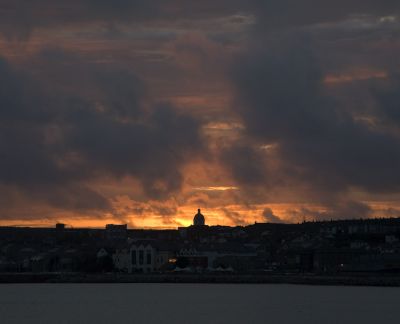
<point>198,219</point>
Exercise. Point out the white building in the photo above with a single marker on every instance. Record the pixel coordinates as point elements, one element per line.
<point>141,257</point>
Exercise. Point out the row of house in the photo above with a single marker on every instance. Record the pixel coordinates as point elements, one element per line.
<point>142,256</point>
<point>320,247</point>
<point>150,256</point>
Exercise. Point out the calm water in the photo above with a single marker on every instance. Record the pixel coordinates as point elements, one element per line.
<point>196,303</point>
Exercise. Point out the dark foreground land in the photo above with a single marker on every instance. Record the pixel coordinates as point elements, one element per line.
<point>346,252</point>
<point>385,280</point>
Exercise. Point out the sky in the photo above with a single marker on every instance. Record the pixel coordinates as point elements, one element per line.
<point>140,112</point>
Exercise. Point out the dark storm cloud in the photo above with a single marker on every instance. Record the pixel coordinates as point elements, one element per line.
<point>282,100</point>
<point>388,98</point>
<point>287,13</point>
<point>20,17</point>
<point>67,122</point>
<point>347,209</point>
<point>152,152</point>
<point>55,137</point>
<point>234,216</point>
<point>27,161</point>
<point>245,164</point>
<point>70,196</point>
<point>270,217</point>
<point>116,90</point>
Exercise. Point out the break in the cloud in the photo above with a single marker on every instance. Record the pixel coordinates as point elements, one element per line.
<point>232,105</point>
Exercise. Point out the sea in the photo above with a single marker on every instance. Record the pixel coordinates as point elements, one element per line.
<point>197,303</point>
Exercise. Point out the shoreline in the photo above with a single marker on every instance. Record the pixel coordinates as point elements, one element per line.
<point>384,280</point>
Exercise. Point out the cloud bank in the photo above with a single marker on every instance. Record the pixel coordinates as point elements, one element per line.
<point>289,102</point>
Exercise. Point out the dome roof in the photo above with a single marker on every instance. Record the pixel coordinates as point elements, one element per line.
<point>198,219</point>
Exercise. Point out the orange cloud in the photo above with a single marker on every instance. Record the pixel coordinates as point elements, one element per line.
<point>357,75</point>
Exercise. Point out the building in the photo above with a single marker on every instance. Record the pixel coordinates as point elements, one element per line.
<point>116,232</point>
<point>60,226</point>
<point>199,219</point>
<point>190,257</point>
<point>143,256</point>
<point>234,256</point>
